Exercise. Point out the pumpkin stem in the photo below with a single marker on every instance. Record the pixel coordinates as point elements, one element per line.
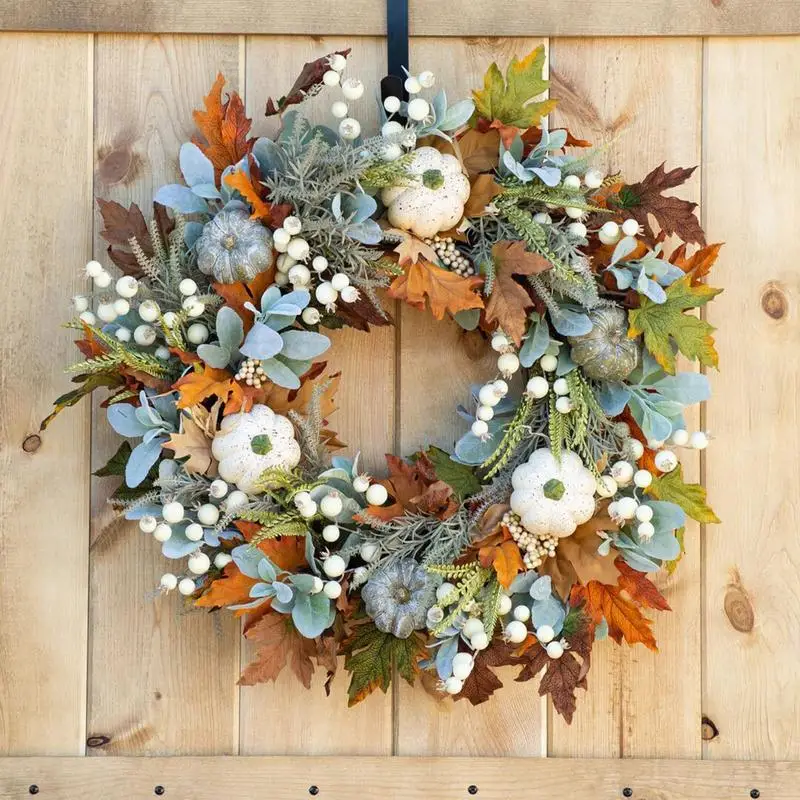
<point>553,489</point>
<point>261,444</point>
<point>433,179</point>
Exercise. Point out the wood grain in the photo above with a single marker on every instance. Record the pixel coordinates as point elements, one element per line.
<point>438,363</point>
<point>310,722</point>
<point>443,18</point>
<point>641,101</point>
<point>396,778</point>
<point>752,601</point>
<point>46,236</point>
<point>162,680</point>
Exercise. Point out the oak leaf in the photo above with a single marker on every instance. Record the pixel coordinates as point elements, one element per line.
<point>194,443</point>
<point>510,302</point>
<point>674,215</point>
<point>445,291</point>
<point>278,643</point>
<point>665,323</point>
<point>231,589</point>
<point>198,386</point>
<point>640,588</point>
<point>224,126</point>
<point>624,619</point>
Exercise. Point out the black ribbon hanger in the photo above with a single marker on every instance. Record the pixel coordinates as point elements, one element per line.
<point>397,49</point>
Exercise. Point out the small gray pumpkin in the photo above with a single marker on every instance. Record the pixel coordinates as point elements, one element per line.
<point>606,353</point>
<point>233,247</point>
<point>398,597</point>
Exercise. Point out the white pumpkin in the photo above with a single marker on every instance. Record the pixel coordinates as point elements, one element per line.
<point>553,497</point>
<point>435,201</point>
<point>249,443</point>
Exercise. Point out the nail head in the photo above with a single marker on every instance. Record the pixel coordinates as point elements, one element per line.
<point>627,792</point>
<point>472,789</point>
<point>33,789</point>
<point>754,793</point>
<point>159,790</point>
<point>313,790</point>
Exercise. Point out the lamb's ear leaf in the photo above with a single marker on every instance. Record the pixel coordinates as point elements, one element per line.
<point>214,355</point>
<point>303,345</point>
<point>280,374</point>
<point>262,342</point>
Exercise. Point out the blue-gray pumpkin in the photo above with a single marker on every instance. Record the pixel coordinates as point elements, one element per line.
<point>233,247</point>
<point>606,353</point>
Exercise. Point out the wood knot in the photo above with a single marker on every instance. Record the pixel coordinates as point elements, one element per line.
<point>118,164</point>
<point>98,741</point>
<point>708,730</point>
<point>474,344</point>
<point>738,606</point>
<point>30,444</point>
<point>773,302</point>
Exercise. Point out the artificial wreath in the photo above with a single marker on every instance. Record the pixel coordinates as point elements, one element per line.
<point>536,536</point>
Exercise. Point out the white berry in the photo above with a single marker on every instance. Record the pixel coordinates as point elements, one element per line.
<point>377,494</point>
<point>499,342</point>
<point>643,478</point>
<point>339,109</point>
<point>369,551</point>
<point>235,500</point>
<point>308,510</point>
<point>503,604</point>
<point>280,239</point>
<point>319,264</point>
<point>333,566</point>
<point>426,79</point>
<point>593,178</point>
<point>197,333</point>
<point>186,587</point>
<point>630,227</point>
<point>560,386</point>
<point>163,532</point>
<point>199,563</point>
<point>522,613</point>
<point>218,489</point>
<point>636,448</point>
<point>462,665</point>
<point>325,293</point>
<point>123,334</point>
<point>149,311</point>
<point>666,460</point>
<point>361,483</point>
<point>606,486</point>
<point>332,590</point>
<point>172,512</point>
<point>194,532</point>
<point>331,505</point>
<point>500,388</point>
<point>564,405</point>
<point>412,85</point>
<point>337,62</point>
<point>572,182</point>
<point>352,89</point>
<point>626,507</point>
<point>609,233</point>
<point>93,269</point>
<point>574,213</point>
<point>698,440</point>
<point>187,287</point>
<point>577,229</point>
<point>480,428</point>
<point>144,335</point>
<point>680,437</point>
<point>472,627</point>
<point>148,524</point>
<point>646,530</point>
<point>516,632</point>
<point>548,363</point>
<point>331,533</point>
<point>418,109</point>
<point>479,642</point>
<point>392,104</point>
<point>106,312</point>
<point>168,581</point>
<point>644,513</point>
<point>300,275</point>
<point>443,590</point>
<point>545,634</point>
<point>349,128</point>
<point>508,364</point>
<point>331,78</point>
<point>484,413</point>
<point>102,281</point>
<point>555,649</point>
<point>311,315</point>
<point>339,281</point>
<point>88,318</point>
<point>538,387</point>
<point>453,685</point>
<point>221,560</point>
<point>622,472</point>
<point>542,218</point>
<point>208,514</point>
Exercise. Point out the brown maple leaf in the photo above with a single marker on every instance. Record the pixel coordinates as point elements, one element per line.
<point>640,588</point>
<point>674,216</point>
<point>444,291</point>
<point>478,150</point>
<point>120,225</point>
<point>278,643</point>
<point>510,302</point>
<point>224,126</point>
<point>482,683</point>
<point>560,680</point>
<point>483,189</point>
<point>411,249</point>
<point>307,83</point>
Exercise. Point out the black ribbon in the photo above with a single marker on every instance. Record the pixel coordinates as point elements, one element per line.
<point>397,49</point>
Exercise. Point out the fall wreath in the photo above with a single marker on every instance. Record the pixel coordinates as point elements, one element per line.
<point>536,536</point>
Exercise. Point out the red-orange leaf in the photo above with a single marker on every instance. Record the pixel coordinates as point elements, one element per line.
<point>624,619</point>
<point>224,126</point>
<point>233,588</point>
<point>699,263</point>
<point>286,552</point>
<point>506,560</point>
<point>640,588</point>
<point>445,291</point>
<point>242,183</point>
<point>237,294</point>
<point>198,386</point>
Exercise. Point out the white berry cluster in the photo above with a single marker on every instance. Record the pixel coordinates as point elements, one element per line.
<point>418,110</point>
<point>450,256</point>
<point>516,632</point>
<point>194,521</point>
<point>251,372</point>
<point>535,547</point>
<point>697,440</point>
<point>489,395</point>
<point>292,269</point>
<point>352,89</point>
<point>111,307</point>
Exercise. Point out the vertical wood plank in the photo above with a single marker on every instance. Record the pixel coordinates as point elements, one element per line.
<point>162,681</point>
<point>438,362</point>
<point>45,202</point>
<point>310,722</point>
<point>641,100</point>
<point>752,603</point>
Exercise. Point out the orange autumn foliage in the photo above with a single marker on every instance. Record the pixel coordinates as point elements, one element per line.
<point>624,619</point>
<point>243,184</point>
<point>233,588</point>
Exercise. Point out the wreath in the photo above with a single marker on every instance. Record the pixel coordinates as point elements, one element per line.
<point>536,537</point>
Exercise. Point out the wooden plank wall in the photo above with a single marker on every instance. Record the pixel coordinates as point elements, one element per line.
<point>91,661</point>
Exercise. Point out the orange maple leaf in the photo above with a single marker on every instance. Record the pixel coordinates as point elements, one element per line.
<point>224,126</point>
<point>238,293</point>
<point>624,619</point>
<point>444,290</point>
<point>233,588</point>
<point>699,263</point>
<point>286,552</point>
<point>243,184</point>
<point>505,558</point>
<point>198,386</point>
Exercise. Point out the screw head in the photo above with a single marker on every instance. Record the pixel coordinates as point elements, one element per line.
<point>313,790</point>
<point>472,789</point>
<point>33,789</point>
<point>159,790</point>
<point>754,793</point>
<point>627,792</point>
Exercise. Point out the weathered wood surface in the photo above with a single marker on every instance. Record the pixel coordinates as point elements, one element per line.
<point>139,677</point>
<point>426,18</point>
<point>396,778</point>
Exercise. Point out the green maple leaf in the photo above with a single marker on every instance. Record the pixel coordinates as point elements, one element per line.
<point>663,323</point>
<point>459,477</point>
<point>691,497</point>
<point>371,656</point>
<point>671,566</point>
<point>509,99</point>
